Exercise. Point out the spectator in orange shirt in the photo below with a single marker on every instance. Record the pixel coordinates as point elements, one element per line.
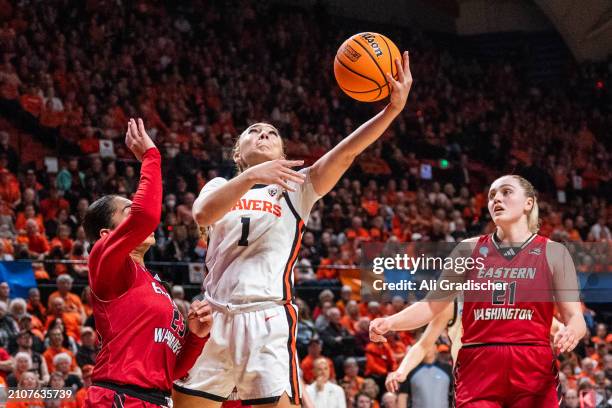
<point>82,393</point>
<point>588,369</point>
<point>379,361</point>
<point>351,382</point>
<point>314,352</point>
<point>371,390</point>
<point>62,363</point>
<point>374,311</point>
<point>71,320</point>
<point>32,101</point>
<point>86,301</point>
<point>29,212</point>
<point>350,319</point>
<point>58,382</point>
<point>325,296</point>
<point>369,202</point>
<point>63,239</point>
<point>9,188</point>
<point>29,381</point>
<point>89,144</point>
<point>346,294</point>
<point>601,334</point>
<point>35,306</point>
<point>72,301</point>
<point>324,271</point>
<point>38,246</point>
<point>52,204</point>
<point>397,346</point>
<point>356,231</point>
<point>56,338</point>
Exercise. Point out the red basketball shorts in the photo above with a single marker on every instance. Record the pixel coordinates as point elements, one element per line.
<point>98,397</point>
<point>508,376</point>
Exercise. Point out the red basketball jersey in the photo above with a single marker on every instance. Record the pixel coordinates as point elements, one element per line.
<point>142,334</point>
<point>522,312</point>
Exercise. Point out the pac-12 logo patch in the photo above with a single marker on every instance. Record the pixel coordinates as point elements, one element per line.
<point>535,251</point>
<point>273,191</point>
<point>484,251</point>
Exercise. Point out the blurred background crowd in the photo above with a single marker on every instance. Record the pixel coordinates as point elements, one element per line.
<point>72,74</point>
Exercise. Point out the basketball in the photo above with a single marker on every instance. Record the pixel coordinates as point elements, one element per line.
<point>361,64</point>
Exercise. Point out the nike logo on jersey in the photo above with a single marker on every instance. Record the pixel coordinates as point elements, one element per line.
<point>258,205</point>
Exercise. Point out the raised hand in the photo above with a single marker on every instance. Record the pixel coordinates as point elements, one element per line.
<point>137,139</point>
<point>400,88</point>
<point>277,172</point>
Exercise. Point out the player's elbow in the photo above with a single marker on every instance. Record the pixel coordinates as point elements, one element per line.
<point>201,219</point>
<point>202,214</point>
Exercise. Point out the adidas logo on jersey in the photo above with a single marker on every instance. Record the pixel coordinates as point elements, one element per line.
<point>509,252</point>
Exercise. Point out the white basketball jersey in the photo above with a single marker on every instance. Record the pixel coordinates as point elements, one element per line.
<point>252,249</point>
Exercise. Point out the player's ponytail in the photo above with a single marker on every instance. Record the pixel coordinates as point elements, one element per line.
<point>533,220</point>
<point>99,215</point>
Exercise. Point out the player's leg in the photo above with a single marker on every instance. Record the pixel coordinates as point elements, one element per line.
<point>267,369</point>
<point>283,402</point>
<point>182,400</point>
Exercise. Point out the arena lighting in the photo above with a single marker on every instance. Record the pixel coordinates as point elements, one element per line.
<point>443,164</point>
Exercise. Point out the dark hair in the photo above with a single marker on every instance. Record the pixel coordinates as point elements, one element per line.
<point>99,215</point>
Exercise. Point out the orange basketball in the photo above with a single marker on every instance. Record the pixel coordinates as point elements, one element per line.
<point>361,64</point>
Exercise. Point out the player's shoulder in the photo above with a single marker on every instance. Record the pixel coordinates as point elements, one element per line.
<point>216,180</point>
<point>556,252</point>
<point>214,184</point>
<point>465,246</point>
<point>471,239</point>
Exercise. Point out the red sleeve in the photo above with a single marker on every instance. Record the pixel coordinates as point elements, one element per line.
<point>189,354</point>
<point>110,272</point>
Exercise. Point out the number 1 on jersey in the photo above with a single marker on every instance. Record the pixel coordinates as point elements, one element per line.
<point>244,239</point>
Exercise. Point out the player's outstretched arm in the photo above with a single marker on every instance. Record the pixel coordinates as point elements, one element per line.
<point>144,216</point>
<point>326,172</point>
<point>417,352</point>
<point>412,317</point>
<point>219,196</point>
